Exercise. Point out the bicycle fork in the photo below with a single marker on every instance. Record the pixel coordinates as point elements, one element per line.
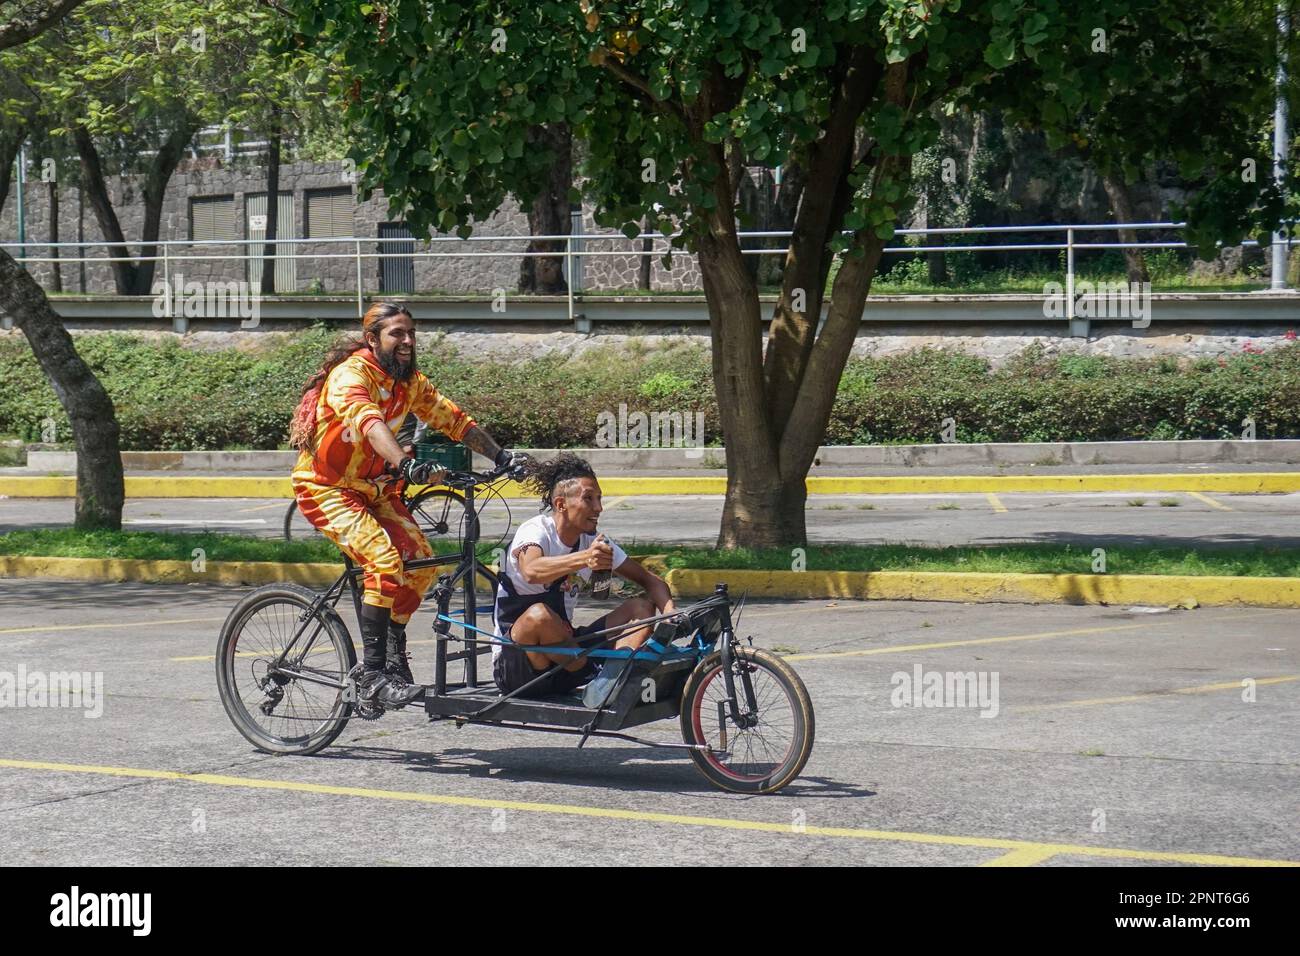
<point>744,693</point>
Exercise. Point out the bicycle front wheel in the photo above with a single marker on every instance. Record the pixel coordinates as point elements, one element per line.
<point>284,703</point>
<point>768,748</point>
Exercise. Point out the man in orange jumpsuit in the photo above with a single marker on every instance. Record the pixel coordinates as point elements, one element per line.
<point>346,481</point>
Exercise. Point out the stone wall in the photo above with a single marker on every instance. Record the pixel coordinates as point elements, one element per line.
<point>464,268</point>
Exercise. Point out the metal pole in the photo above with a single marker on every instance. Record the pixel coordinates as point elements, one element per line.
<point>1280,141</point>
<point>568,270</point>
<point>22,217</point>
<point>361,305</point>
<point>167,281</point>
<point>1069,274</point>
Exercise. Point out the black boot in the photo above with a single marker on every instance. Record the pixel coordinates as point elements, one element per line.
<point>376,685</point>
<point>398,661</point>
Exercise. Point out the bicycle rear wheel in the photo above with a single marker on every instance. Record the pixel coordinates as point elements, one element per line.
<point>296,707</point>
<point>296,525</point>
<point>445,520</point>
<point>440,514</point>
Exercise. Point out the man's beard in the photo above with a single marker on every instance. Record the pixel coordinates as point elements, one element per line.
<point>399,370</point>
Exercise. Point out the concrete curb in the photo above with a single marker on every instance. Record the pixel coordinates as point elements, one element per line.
<point>1280,451</point>
<point>1240,483</point>
<point>1161,590</point>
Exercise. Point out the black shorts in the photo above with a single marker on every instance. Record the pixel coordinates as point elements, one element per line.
<point>512,668</point>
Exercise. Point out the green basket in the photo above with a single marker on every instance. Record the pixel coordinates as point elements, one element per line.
<point>448,455</point>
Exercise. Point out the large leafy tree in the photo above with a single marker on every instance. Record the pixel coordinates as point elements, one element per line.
<point>672,98</point>
<point>100,488</point>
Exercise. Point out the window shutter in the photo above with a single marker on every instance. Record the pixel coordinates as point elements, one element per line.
<point>213,218</point>
<point>329,213</point>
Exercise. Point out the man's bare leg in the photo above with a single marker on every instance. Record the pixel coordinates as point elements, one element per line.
<point>539,625</point>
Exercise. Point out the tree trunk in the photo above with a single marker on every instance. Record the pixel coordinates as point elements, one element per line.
<point>132,278</point>
<point>643,265</point>
<point>272,213</point>
<point>548,213</point>
<point>100,486</point>
<point>1121,204</point>
<point>755,513</point>
<point>56,276</point>
<point>81,238</point>
<point>821,214</point>
<point>9,143</point>
<point>774,406</point>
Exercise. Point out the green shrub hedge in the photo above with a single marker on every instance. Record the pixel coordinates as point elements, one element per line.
<point>173,398</point>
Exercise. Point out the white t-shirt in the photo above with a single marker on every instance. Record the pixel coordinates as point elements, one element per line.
<point>541,532</point>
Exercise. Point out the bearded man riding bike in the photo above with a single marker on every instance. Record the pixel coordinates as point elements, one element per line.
<point>346,480</point>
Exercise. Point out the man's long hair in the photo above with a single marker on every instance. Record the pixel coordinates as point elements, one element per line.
<point>545,478</point>
<point>302,427</point>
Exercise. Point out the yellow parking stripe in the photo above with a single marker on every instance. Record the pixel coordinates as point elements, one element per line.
<point>937,645</point>
<point>100,627</point>
<point>276,504</point>
<point>997,504</point>
<point>1133,698</point>
<point>643,816</point>
<point>1208,500</point>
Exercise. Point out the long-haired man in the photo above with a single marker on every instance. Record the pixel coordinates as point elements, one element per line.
<point>346,480</point>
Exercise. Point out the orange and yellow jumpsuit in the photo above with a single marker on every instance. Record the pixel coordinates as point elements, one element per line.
<point>342,488</point>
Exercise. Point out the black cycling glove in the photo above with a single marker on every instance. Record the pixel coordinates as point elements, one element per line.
<point>417,472</point>
<point>513,459</point>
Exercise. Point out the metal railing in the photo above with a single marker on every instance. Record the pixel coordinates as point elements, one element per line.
<point>175,251</point>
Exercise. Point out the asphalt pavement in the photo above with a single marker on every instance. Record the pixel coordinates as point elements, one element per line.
<point>1105,736</point>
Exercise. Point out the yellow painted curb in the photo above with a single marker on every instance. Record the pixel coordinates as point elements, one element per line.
<point>1239,483</point>
<point>168,572</point>
<point>1148,589</point>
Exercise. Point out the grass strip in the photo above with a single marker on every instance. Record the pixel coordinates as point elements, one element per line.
<point>1020,558</point>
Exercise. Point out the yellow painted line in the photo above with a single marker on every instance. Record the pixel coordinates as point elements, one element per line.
<point>643,816</point>
<point>100,627</point>
<point>941,645</point>
<point>277,504</point>
<point>1208,500</point>
<point>982,587</point>
<point>212,657</point>
<point>1026,856</point>
<point>1137,698</point>
<point>1242,483</point>
<point>997,504</point>
<point>611,502</point>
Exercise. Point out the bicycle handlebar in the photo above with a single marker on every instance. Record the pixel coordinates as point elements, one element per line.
<point>461,479</point>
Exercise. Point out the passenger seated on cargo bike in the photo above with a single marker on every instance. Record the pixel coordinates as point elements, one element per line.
<point>550,557</point>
